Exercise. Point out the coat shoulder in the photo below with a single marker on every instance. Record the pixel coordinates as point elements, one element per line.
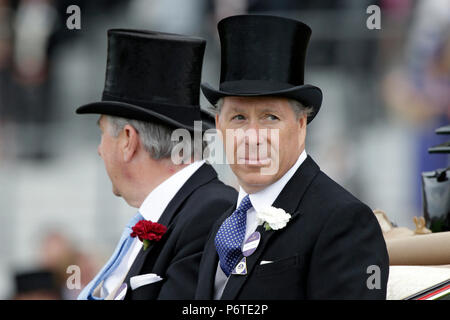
<point>330,193</point>
<point>210,200</point>
<point>215,192</point>
<point>326,200</point>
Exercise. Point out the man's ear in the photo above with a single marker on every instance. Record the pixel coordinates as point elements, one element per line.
<point>217,120</point>
<point>130,142</point>
<point>302,123</point>
<point>303,120</point>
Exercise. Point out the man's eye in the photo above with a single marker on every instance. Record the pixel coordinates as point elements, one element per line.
<point>272,117</point>
<point>238,117</point>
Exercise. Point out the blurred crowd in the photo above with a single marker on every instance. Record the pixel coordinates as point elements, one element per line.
<point>385,92</point>
<point>30,33</point>
<point>49,278</point>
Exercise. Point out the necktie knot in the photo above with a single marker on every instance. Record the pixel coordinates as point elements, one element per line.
<point>245,204</point>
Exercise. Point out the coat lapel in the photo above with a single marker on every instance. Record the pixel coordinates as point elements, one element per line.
<point>289,200</point>
<point>208,265</point>
<point>202,176</point>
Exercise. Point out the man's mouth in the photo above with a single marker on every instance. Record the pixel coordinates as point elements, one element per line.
<point>254,161</point>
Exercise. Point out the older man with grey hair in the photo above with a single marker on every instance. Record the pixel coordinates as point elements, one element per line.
<point>293,233</point>
<point>152,88</point>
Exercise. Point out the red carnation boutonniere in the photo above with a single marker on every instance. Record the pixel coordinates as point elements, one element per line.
<point>148,231</point>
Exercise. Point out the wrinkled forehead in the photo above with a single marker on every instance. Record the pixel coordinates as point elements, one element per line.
<point>243,104</point>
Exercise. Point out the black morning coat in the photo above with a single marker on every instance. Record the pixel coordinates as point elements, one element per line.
<point>332,248</point>
<point>189,218</point>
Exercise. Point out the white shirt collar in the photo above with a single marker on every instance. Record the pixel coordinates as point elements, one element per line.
<point>156,202</point>
<point>265,198</point>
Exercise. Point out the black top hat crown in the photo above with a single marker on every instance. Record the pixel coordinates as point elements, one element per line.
<point>264,56</point>
<point>152,76</point>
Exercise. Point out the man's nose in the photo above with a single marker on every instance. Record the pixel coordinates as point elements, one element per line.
<point>98,151</point>
<point>255,137</point>
<point>253,125</point>
<point>259,132</point>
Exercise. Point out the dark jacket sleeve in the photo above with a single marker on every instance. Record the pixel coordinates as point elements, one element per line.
<point>182,273</point>
<point>349,260</point>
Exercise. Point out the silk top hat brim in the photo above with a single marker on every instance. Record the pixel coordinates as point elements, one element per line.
<point>263,55</point>
<point>134,112</point>
<point>153,76</point>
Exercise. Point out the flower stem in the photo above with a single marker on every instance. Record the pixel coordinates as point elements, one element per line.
<point>145,243</point>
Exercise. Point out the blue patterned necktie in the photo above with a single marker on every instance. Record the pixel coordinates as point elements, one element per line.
<point>230,236</point>
<point>121,249</point>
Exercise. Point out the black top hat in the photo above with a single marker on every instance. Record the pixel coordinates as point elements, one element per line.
<point>153,76</point>
<point>264,56</point>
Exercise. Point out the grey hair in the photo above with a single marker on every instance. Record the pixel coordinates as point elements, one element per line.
<point>156,138</point>
<point>299,109</point>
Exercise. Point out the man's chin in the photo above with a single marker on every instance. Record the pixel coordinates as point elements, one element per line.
<point>255,181</point>
<point>255,169</point>
<point>116,192</point>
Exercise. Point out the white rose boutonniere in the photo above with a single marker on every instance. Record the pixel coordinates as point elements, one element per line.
<point>273,218</point>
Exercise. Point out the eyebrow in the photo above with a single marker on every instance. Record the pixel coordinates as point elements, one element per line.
<point>268,109</point>
<point>98,122</point>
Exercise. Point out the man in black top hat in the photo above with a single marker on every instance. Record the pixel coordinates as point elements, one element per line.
<point>294,233</point>
<point>152,87</point>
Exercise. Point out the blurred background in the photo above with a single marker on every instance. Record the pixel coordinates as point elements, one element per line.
<point>385,92</point>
